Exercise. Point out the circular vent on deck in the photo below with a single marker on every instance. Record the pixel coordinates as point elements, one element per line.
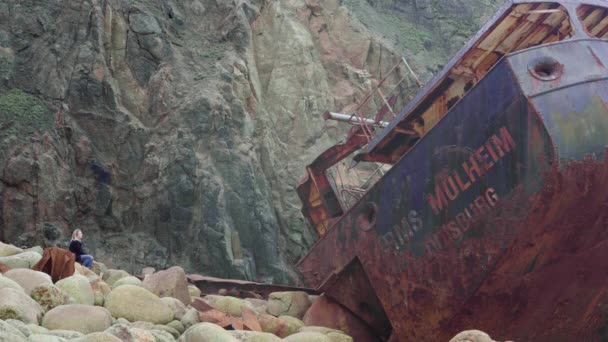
<point>546,68</point>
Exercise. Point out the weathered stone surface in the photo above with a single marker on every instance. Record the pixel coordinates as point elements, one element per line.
<point>288,303</point>
<point>7,282</point>
<point>21,260</point>
<point>294,324</point>
<point>6,336</point>
<point>319,329</point>
<point>22,327</point>
<point>276,326</point>
<point>66,334</point>
<point>100,291</point>
<point>173,332</point>
<point>13,331</point>
<point>98,337</point>
<point>79,288</point>
<point>50,296</point>
<point>254,336</point>
<point>45,338</point>
<point>194,291</point>
<point>135,303</point>
<point>8,249</point>
<point>206,332</point>
<point>177,325</point>
<point>16,304</point>
<point>176,305</point>
<point>70,317</point>
<point>307,336</point>
<point>28,279</point>
<point>226,304</point>
<point>162,335</point>
<point>111,276</point>
<point>171,282</point>
<point>36,329</point>
<point>260,306</point>
<point>190,318</point>
<point>472,336</point>
<point>130,280</point>
<point>131,334</point>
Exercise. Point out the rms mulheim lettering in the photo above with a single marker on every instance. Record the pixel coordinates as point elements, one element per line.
<point>484,158</point>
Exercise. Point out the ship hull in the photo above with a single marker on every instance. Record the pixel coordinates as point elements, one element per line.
<point>496,219</point>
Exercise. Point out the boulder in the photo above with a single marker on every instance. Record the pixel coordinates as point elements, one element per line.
<point>135,303</point>
<point>98,268</point>
<point>290,303</point>
<point>15,304</point>
<point>45,338</point>
<point>293,323</point>
<point>21,260</point>
<point>7,336</point>
<point>177,325</point>
<point>163,336</point>
<point>111,276</point>
<point>254,336</point>
<point>84,271</point>
<point>100,290</point>
<point>67,334</point>
<point>333,334</point>
<point>229,305</point>
<point>10,328</point>
<point>276,326</point>
<point>127,333</point>
<point>194,291</point>
<point>7,282</point>
<point>260,306</point>
<point>130,280</point>
<point>79,288</point>
<point>171,282</point>
<point>176,305</point>
<point>472,336</point>
<point>98,337</point>
<point>8,250</point>
<point>70,317</point>
<point>190,318</point>
<point>50,296</point>
<point>36,329</point>
<point>22,327</point>
<point>28,279</point>
<point>173,332</point>
<point>307,336</point>
<point>206,332</point>
<point>147,271</point>
<point>36,249</point>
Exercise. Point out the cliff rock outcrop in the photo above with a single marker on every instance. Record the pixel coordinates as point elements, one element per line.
<point>174,132</point>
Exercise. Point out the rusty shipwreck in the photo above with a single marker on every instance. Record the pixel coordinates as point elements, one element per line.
<point>494,213</point>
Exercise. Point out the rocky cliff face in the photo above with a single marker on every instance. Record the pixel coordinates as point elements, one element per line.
<point>174,132</point>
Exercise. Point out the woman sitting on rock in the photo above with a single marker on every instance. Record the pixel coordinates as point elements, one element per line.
<point>76,247</point>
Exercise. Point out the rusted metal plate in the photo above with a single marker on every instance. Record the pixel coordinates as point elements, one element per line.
<point>240,288</point>
<point>441,226</point>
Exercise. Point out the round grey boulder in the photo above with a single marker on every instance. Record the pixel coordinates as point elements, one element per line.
<point>16,304</point>
<point>71,317</point>
<point>135,303</point>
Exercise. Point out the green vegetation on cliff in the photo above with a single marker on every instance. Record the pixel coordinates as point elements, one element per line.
<point>21,113</point>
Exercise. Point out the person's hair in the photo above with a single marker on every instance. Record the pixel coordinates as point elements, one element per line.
<point>75,232</point>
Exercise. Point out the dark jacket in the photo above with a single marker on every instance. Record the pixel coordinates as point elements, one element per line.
<point>76,248</point>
